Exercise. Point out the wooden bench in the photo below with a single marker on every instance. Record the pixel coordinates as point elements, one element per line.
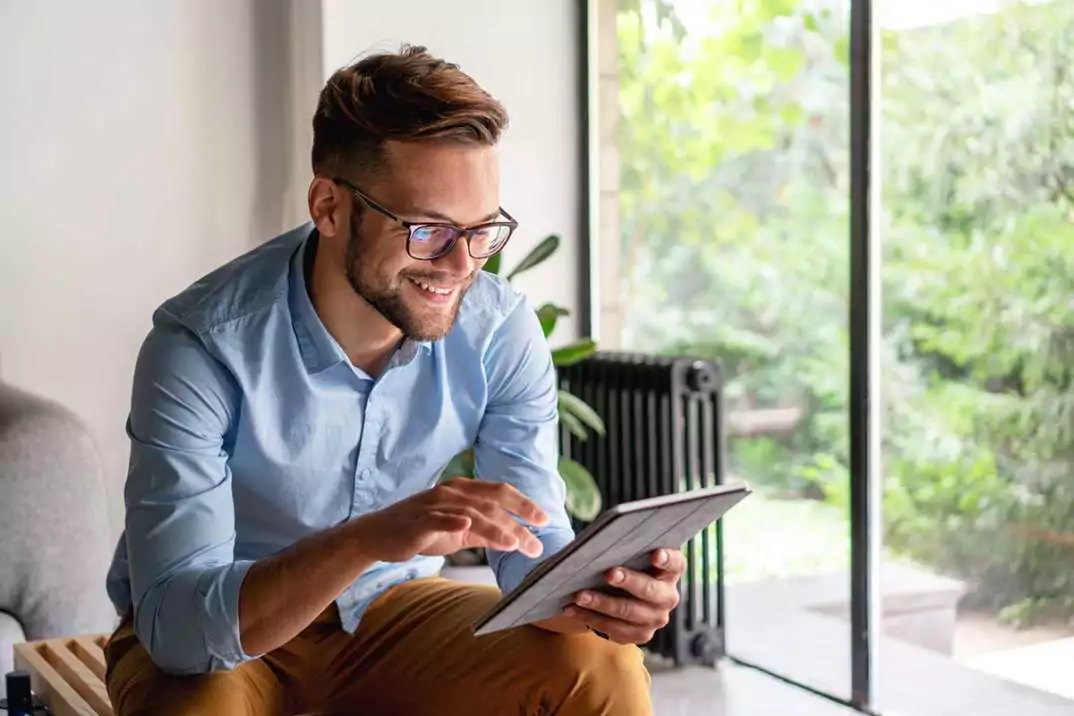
<point>67,674</point>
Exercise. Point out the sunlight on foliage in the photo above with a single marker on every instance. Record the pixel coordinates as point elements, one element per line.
<point>733,143</point>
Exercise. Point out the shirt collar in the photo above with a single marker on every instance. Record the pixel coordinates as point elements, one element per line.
<point>319,349</point>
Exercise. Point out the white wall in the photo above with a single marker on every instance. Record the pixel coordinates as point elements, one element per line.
<point>524,53</point>
<point>143,143</point>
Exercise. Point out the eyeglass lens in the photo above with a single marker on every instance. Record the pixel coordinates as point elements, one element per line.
<point>433,241</point>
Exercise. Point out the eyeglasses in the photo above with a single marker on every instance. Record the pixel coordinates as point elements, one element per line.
<point>431,240</point>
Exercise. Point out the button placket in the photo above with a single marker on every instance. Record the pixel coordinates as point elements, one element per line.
<point>363,472</point>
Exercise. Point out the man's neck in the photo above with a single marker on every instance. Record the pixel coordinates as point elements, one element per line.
<point>361,331</point>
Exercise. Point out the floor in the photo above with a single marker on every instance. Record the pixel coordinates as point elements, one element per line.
<point>1045,666</point>
<point>732,690</point>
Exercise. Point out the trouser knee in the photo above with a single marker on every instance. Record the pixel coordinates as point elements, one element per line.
<point>596,676</point>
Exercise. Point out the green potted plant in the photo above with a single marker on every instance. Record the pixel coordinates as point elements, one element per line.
<point>583,496</point>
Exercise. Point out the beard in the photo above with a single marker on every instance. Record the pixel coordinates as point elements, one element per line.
<point>388,295</point>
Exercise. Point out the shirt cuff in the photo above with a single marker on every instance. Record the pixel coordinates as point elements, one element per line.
<point>512,567</point>
<point>219,590</point>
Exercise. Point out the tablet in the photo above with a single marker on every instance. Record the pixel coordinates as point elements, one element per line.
<point>624,535</point>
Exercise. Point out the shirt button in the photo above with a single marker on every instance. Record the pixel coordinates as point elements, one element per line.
<point>364,474</point>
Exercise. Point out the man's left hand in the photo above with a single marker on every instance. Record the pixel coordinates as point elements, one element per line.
<point>644,606</point>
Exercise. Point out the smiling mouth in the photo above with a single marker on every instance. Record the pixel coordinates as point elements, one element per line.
<point>431,288</point>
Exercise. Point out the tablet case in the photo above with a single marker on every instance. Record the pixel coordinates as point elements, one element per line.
<point>624,535</point>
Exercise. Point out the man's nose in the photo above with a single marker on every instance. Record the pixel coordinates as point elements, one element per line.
<point>458,260</point>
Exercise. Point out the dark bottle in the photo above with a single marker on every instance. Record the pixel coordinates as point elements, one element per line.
<point>20,700</point>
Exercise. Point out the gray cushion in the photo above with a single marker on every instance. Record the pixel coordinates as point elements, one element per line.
<point>10,633</point>
<point>54,537</point>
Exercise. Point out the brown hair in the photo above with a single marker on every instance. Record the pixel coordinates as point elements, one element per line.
<point>408,96</point>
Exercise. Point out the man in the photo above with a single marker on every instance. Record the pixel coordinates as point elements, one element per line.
<point>291,414</point>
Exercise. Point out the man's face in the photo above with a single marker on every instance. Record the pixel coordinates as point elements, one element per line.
<point>420,182</point>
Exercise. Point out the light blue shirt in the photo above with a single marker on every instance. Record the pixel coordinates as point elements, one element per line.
<point>250,429</point>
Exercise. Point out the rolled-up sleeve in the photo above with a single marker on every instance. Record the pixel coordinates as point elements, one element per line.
<point>518,439</point>
<point>180,516</point>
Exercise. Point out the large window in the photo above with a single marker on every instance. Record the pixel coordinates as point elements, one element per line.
<point>725,175</point>
<point>732,205</point>
<point>977,139</point>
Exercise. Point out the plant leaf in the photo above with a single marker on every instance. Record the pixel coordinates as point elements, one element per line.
<point>537,256</point>
<point>462,465</point>
<point>493,264</point>
<point>576,407</point>
<point>574,425</point>
<point>583,496</point>
<point>574,352</point>
<point>549,313</point>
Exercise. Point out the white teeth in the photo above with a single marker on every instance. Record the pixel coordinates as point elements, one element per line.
<point>432,289</point>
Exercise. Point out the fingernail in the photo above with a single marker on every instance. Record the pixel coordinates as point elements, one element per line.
<point>616,576</point>
<point>584,598</point>
<point>661,558</point>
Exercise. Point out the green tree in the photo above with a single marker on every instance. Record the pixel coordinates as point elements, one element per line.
<point>733,206</point>
<point>980,267</point>
<point>733,144</point>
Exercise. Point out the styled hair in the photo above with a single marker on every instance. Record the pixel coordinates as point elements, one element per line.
<point>409,96</point>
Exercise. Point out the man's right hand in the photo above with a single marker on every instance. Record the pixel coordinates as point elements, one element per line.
<point>283,593</point>
<point>457,514</point>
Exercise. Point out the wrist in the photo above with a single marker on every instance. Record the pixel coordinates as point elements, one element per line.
<point>359,541</point>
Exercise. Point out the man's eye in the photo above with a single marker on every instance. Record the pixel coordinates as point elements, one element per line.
<point>432,234</point>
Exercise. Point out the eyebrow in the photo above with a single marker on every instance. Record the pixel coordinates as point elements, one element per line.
<point>433,214</point>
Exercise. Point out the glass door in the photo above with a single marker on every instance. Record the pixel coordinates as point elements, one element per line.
<point>725,220</point>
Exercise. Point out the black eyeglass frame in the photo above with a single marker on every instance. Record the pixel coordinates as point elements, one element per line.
<point>412,226</point>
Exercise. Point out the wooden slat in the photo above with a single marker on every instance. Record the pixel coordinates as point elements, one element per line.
<point>78,675</point>
<point>91,654</point>
<point>101,640</point>
<point>47,683</point>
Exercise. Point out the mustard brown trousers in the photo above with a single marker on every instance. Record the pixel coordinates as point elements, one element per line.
<point>413,653</point>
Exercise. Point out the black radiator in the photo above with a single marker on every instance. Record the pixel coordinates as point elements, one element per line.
<point>665,434</point>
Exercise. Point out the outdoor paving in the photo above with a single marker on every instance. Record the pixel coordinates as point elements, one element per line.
<point>732,690</point>
<point>1045,666</point>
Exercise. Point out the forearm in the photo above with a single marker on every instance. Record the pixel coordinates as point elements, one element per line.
<point>283,594</point>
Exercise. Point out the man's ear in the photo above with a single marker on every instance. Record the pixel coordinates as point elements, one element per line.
<point>327,205</point>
